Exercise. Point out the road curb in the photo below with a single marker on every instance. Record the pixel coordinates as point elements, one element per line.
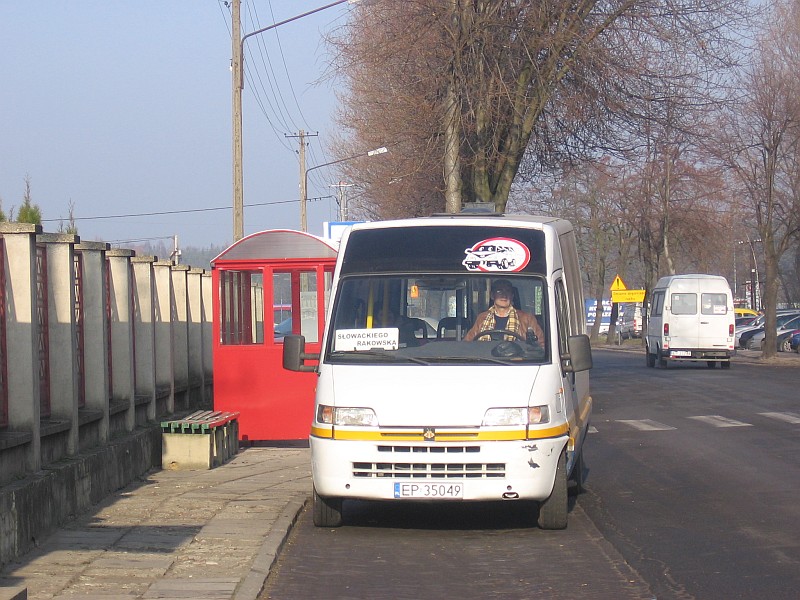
<point>252,585</point>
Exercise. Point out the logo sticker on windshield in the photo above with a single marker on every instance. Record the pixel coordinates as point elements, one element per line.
<point>497,255</point>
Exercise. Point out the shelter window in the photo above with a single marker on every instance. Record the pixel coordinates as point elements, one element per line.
<point>297,292</point>
<point>241,307</point>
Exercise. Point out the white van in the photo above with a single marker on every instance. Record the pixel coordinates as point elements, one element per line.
<point>404,416</point>
<point>691,318</point>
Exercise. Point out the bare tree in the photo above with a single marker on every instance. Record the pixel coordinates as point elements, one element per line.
<point>474,91</point>
<point>70,227</point>
<point>597,199</point>
<point>760,143</point>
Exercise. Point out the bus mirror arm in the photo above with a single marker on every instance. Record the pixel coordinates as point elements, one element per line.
<point>579,357</point>
<point>294,354</point>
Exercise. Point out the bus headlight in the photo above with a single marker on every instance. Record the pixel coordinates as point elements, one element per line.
<point>521,416</point>
<point>501,417</point>
<point>351,416</point>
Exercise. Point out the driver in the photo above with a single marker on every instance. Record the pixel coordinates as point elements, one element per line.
<point>503,315</point>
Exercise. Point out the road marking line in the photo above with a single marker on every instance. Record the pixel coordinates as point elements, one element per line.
<point>788,417</point>
<point>719,421</point>
<point>646,425</point>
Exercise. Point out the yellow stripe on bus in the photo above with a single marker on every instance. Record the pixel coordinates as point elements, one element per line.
<point>441,436</point>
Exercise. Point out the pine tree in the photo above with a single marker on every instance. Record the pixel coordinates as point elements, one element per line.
<point>29,212</point>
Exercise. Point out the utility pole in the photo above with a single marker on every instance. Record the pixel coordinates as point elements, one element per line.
<point>342,194</point>
<point>175,256</point>
<point>302,135</point>
<point>303,184</point>
<point>236,79</point>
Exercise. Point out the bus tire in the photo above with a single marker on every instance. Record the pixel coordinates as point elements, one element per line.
<point>711,363</point>
<point>725,364</point>
<point>327,512</point>
<point>553,511</point>
<point>651,358</point>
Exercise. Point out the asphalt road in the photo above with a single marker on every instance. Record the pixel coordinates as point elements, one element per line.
<point>692,492</point>
<point>695,477</point>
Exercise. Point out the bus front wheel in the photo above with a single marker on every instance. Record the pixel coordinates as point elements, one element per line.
<point>553,511</point>
<point>327,511</point>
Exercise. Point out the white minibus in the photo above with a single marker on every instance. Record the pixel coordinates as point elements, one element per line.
<point>691,319</point>
<point>494,406</point>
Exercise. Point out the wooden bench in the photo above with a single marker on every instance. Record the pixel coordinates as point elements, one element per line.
<point>201,440</point>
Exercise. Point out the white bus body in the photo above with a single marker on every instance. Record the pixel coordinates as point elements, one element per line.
<point>402,415</point>
<point>691,319</point>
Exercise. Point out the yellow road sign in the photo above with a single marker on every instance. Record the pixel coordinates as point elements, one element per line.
<point>618,284</point>
<point>622,296</point>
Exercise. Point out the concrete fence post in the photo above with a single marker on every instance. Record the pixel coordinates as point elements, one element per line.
<point>208,342</point>
<point>180,334</point>
<point>64,383</point>
<point>164,314</point>
<point>122,373</point>
<point>144,333</point>
<point>195,334</point>
<point>22,341</point>
<point>95,332</point>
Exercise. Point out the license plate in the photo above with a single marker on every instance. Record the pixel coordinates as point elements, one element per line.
<point>442,491</point>
<point>681,353</point>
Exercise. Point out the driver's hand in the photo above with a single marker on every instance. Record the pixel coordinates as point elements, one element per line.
<point>531,337</point>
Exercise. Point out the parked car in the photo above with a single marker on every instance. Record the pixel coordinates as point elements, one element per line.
<point>754,340</point>
<point>741,330</point>
<point>743,334</point>
<point>785,340</point>
<point>744,312</point>
<point>746,336</point>
<point>745,321</point>
<point>794,342</point>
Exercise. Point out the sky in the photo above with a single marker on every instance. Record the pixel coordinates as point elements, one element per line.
<point>124,110</point>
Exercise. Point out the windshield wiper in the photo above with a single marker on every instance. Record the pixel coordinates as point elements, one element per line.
<point>471,359</point>
<point>378,354</point>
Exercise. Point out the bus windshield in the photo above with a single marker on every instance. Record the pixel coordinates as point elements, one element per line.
<point>439,319</point>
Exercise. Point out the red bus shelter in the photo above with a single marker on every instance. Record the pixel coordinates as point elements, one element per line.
<point>267,285</point>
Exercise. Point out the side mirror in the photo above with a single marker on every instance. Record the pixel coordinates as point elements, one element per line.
<point>294,354</point>
<point>579,357</point>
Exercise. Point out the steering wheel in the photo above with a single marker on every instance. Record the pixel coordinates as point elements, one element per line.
<point>503,331</point>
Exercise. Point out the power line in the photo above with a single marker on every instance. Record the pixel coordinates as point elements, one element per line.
<point>148,239</point>
<point>178,212</point>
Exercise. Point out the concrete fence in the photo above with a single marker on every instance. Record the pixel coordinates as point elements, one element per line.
<point>97,345</point>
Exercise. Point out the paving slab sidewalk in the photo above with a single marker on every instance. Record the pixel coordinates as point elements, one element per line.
<point>176,534</point>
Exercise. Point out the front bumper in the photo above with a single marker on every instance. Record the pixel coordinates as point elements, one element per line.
<point>519,469</point>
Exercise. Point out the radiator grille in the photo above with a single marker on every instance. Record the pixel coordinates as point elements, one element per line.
<point>429,449</point>
<point>424,469</point>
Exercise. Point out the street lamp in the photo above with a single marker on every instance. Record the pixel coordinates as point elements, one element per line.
<point>755,284</point>
<point>238,86</point>
<point>304,182</point>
